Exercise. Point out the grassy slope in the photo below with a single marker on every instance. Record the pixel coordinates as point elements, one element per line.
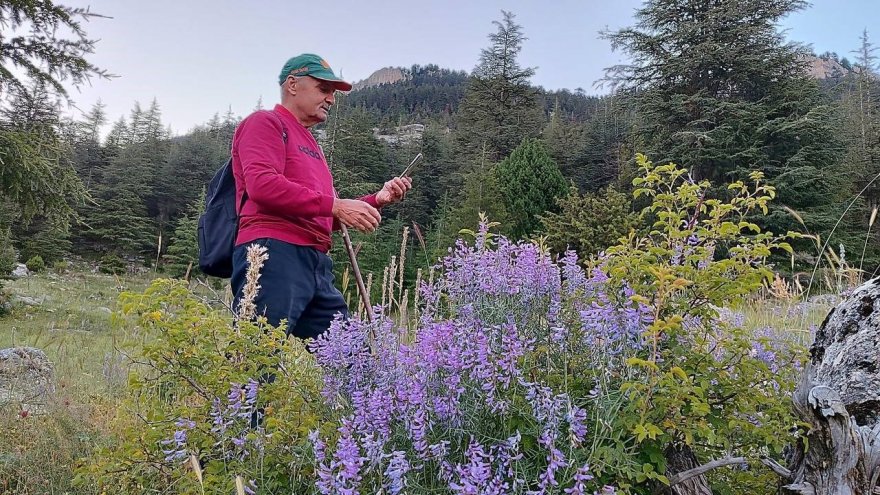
<point>38,452</point>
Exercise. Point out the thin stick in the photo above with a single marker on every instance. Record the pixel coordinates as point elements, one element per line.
<point>352,258</point>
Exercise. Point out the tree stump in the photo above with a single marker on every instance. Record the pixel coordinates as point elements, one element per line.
<point>839,397</point>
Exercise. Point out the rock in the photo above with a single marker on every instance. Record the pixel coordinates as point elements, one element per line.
<point>825,300</point>
<point>26,377</point>
<point>846,352</point>
<point>385,75</point>
<point>20,271</point>
<point>28,301</point>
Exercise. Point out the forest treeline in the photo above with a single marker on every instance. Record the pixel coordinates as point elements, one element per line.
<point>719,98</point>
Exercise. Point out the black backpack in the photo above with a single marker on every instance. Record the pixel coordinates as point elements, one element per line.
<point>218,225</point>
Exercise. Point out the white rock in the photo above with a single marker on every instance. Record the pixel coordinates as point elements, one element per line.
<point>20,271</point>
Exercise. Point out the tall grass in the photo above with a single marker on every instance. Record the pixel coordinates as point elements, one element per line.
<point>73,325</point>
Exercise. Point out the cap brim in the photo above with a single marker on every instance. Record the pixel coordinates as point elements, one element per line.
<point>338,83</point>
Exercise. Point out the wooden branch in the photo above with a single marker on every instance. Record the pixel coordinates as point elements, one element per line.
<point>776,468</point>
<point>189,380</point>
<point>705,468</point>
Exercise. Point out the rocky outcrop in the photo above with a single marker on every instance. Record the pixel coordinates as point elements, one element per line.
<point>20,271</point>
<point>405,134</point>
<point>386,75</point>
<point>823,68</point>
<point>26,377</point>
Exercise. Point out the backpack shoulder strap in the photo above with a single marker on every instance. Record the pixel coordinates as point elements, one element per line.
<point>283,127</point>
<point>283,138</point>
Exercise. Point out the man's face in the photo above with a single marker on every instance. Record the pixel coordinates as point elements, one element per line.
<point>313,100</point>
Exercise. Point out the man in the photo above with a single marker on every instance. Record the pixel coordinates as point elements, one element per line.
<point>291,206</point>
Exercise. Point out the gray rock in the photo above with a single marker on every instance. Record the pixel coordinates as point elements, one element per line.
<point>26,377</point>
<point>846,352</point>
<point>28,301</point>
<point>826,300</point>
<point>20,271</point>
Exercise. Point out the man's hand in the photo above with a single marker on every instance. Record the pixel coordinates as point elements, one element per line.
<point>393,191</point>
<point>356,214</point>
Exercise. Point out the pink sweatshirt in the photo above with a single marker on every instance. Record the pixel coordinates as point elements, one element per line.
<point>290,189</point>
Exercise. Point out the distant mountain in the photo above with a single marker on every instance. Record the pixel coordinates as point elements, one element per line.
<point>824,67</point>
<point>402,95</point>
<point>385,75</point>
<point>408,95</point>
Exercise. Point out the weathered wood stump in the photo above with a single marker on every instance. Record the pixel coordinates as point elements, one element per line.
<point>839,397</point>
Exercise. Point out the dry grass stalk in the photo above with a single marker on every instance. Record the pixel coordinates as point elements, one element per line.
<point>782,289</point>
<point>403,243</point>
<point>256,257</point>
<point>369,291</point>
<point>392,278</point>
<point>197,468</point>
<point>384,285</point>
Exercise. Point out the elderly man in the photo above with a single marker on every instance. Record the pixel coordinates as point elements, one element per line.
<point>289,204</point>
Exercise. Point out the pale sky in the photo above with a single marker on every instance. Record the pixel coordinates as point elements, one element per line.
<point>199,57</point>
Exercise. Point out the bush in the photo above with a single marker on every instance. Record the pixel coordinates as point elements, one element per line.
<point>36,264</point>
<point>112,264</point>
<point>589,223</point>
<point>44,239</point>
<point>61,266</point>
<point>5,301</point>
<point>195,402</point>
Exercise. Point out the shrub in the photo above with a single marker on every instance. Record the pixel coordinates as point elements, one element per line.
<point>704,386</point>
<point>61,266</point>
<point>111,264</point>
<point>194,401</point>
<point>589,223</point>
<point>5,301</point>
<point>36,264</point>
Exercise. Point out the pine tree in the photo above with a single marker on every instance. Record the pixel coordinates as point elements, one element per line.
<point>500,107</point>
<point>32,44</point>
<point>530,182</point>
<point>480,193</point>
<point>89,157</point>
<point>36,173</point>
<point>183,249</point>
<point>589,223</point>
<point>865,145</point>
<point>719,92</point>
<point>857,98</point>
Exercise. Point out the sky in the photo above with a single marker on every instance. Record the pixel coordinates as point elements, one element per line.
<point>199,57</point>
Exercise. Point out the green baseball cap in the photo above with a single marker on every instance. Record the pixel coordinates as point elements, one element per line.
<point>309,64</point>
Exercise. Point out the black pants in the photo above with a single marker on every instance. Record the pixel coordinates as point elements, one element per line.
<point>296,285</point>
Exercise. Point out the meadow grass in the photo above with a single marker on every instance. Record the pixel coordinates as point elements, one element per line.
<point>73,325</point>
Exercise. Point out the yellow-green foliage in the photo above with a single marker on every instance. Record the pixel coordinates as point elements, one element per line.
<point>704,384</point>
<point>187,370</point>
<point>36,264</point>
